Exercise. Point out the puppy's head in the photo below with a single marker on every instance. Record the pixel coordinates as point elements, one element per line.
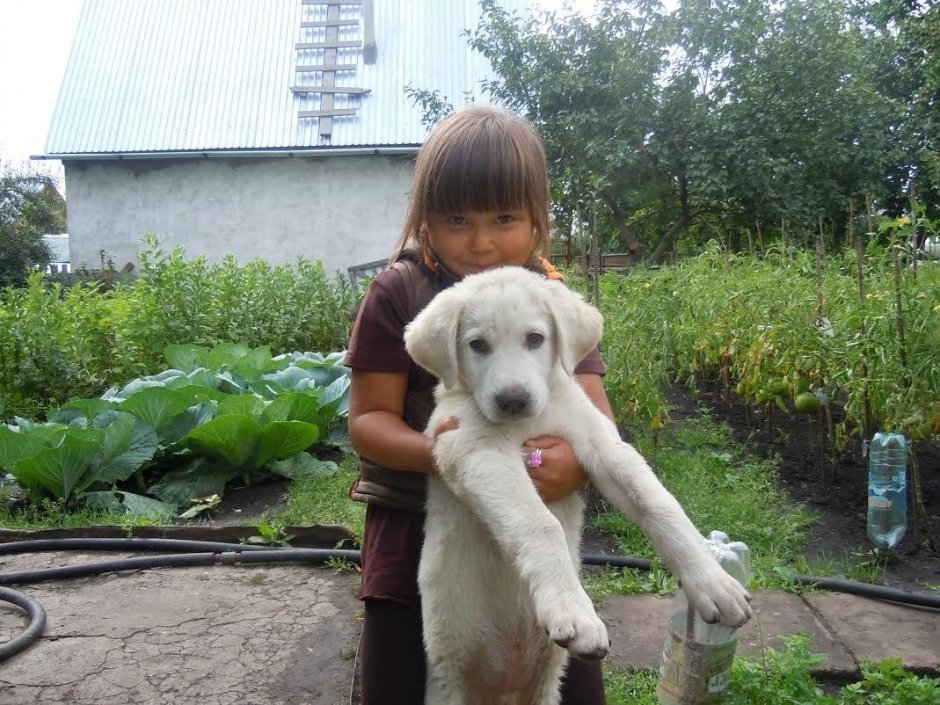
<point>500,334</point>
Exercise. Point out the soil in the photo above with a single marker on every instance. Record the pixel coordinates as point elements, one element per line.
<point>834,485</point>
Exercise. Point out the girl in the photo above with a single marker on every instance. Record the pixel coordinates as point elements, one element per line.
<point>480,199</point>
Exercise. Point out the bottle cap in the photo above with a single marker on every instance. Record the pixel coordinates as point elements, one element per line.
<point>733,556</point>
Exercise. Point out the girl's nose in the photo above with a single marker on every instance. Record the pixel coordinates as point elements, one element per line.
<point>481,240</point>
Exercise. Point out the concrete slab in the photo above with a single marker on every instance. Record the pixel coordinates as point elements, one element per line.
<point>637,627</point>
<point>778,614</point>
<point>876,630</point>
<point>638,630</point>
<point>254,635</point>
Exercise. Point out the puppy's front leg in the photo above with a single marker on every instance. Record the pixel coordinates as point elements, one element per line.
<point>496,488</point>
<point>623,476</point>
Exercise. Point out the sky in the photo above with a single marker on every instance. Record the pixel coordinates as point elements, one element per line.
<point>35,40</point>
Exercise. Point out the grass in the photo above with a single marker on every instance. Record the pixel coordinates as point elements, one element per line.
<point>720,487</point>
<point>323,500</point>
<point>55,515</point>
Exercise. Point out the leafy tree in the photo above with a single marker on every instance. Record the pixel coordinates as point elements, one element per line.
<point>725,112</point>
<point>905,44</point>
<point>30,207</point>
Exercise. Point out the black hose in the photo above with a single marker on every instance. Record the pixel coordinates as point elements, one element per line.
<point>877,592</point>
<point>194,554</point>
<point>37,623</point>
<point>232,555</point>
<point>128,544</point>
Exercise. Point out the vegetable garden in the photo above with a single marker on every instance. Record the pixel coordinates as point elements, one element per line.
<point>154,396</point>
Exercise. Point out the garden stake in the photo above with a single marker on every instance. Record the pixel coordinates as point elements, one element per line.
<point>920,511</point>
<point>899,317</point>
<point>859,255</point>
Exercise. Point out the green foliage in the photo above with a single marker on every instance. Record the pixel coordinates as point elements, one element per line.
<point>194,429</point>
<point>784,678</point>
<point>30,207</point>
<point>779,678</point>
<point>750,323</point>
<point>630,687</point>
<point>58,343</point>
<point>175,300</point>
<point>324,499</point>
<point>887,683</point>
<point>742,500</point>
<point>729,116</point>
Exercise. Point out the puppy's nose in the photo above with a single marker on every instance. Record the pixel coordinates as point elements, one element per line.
<point>513,400</point>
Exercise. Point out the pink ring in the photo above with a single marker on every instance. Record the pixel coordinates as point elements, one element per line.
<point>534,459</point>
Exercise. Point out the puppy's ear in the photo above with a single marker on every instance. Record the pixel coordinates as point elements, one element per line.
<point>431,338</point>
<point>578,325</point>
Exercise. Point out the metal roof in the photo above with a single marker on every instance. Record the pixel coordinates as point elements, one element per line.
<point>183,76</point>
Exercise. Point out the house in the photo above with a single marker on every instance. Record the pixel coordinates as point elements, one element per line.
<point>260,128</point>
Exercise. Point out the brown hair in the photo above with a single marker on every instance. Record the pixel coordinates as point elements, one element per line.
<point>480,158</point>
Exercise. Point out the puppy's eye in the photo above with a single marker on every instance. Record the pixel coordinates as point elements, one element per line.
<point>534,340</point>
<point>479,345</point>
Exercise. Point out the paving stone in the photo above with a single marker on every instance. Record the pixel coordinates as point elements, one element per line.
<point>877,630</point>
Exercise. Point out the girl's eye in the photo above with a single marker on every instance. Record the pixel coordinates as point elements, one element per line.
<point>534,340</point>
<point>479,345</point>
<point>505,219</point>
<point>456,220</point>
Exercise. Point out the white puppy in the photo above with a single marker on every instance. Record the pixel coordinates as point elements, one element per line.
<point>499,579</point>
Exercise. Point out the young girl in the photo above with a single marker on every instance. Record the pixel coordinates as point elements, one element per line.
<point>480,199</point>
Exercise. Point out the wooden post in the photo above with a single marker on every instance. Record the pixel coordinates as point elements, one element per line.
<point>595,250</point>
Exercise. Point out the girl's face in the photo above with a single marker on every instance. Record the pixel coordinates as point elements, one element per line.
<point>472,241</point>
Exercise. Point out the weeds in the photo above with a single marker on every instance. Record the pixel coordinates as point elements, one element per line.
<point>324,500</point>
<point>785,678</point>
<point>741,499</point>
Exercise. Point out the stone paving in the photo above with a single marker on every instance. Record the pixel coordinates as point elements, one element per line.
<point>287,634</point>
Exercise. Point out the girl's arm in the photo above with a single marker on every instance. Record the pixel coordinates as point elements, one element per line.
<point>376,428</point>
<point>561,473</point>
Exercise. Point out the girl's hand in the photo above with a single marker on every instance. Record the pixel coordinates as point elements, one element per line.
<point>560,473</point>
<point>451,423</point>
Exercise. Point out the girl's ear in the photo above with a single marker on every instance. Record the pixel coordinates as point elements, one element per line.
<point>578,325</point>
<point>431,338</point>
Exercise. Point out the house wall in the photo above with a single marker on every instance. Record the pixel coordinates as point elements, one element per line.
<point>343,211</point>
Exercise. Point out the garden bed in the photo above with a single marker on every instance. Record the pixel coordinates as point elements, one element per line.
<point>839,534</point>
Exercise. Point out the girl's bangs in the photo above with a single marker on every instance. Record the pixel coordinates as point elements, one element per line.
<point>486,174</point>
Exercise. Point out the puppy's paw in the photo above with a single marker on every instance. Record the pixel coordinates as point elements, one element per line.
<point>717,597</point>
<point>574,625</point>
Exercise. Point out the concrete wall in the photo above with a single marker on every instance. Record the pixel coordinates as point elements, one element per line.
<point>341,210</point>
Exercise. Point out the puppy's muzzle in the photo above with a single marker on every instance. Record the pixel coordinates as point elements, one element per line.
<point>514,401</point>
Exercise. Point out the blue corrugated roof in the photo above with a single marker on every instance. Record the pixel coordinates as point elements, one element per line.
<point>216,75</point>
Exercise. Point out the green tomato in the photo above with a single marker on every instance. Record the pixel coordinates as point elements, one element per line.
<point>806,402</point>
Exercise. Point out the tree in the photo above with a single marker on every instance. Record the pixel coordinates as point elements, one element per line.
<point>732,112</point>
<point>905,44</point>
<point>30,207</point>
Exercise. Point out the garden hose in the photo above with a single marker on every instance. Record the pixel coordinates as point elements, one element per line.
<point>849,587</point>
<point>193,553</point>
<point>37,623</point>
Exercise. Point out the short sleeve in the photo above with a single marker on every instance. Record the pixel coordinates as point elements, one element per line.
<point>592,364</point>
<point>377,343</point>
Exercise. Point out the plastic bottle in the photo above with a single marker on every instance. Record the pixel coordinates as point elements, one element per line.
<point>697,657</point>
<point>887,489</point>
